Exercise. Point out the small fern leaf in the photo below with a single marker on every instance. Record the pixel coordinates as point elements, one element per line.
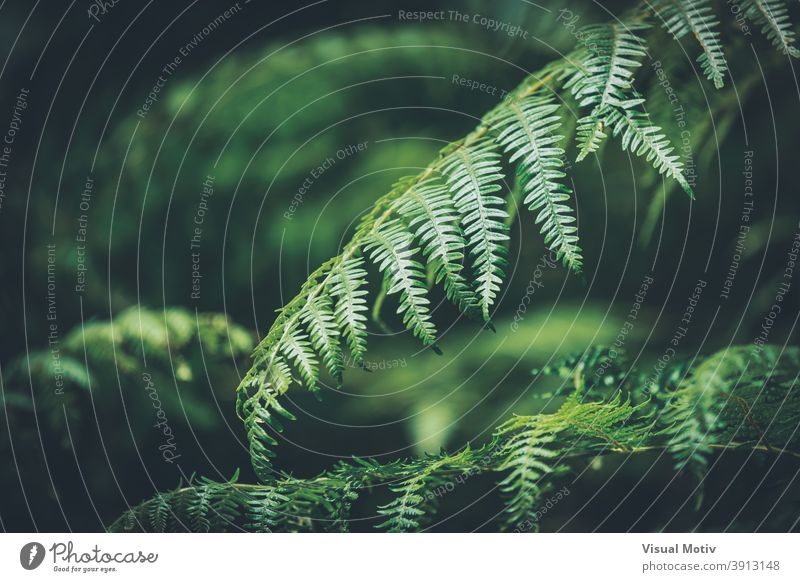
<point>320,320</point>
<point>390,248</point>
<point>604,79</point>
<point>682,17</point>
<point>404,512</point>
<point>527,461</point>
<point>473,174</point>
<point>644,139</point>
<point>266,510</point>
<point>298,349</point>
<point>349,290</point>
<point>260,410</point>
<point>198,509</point>
<point>161,511</point>
<point>773,16</point>
<point>527,131</point>
<point>429,210</point>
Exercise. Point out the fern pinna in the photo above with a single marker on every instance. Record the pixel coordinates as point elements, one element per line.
<point>449,226</point>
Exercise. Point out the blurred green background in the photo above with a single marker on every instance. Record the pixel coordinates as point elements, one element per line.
<point>272,101</point>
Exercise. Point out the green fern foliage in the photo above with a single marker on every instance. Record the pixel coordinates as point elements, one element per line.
<point>391,248</point>
<point>448,226</point>
<point>647,140</point>
<point>527,131</point>
<point>429,209</point>
<point>348,291</point>
<point>695,17</point>
<point>473,174</point>
<point>729,400</point>
<point>604,80</point>
<point>773,17</point>
<point>736,399</point>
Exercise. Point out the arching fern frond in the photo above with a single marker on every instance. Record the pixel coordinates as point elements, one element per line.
<point>451,215</point>
<point>682,17</point>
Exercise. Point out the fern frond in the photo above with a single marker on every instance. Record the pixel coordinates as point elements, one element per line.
<point>404,512</point>
<point>738,398</point>
<point>464,216</point>
<point>258,407</point>
<point>773,16</point>
<point>726,399</point>
<point>527,131</point>
<point>682,17</point>
<point>160,512</point>
<point>198,508</point>
<point>473,174</point>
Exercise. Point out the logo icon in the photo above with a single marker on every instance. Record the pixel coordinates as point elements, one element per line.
<point>31,555</point>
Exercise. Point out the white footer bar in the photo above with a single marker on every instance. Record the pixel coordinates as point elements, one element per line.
<point>423,557</point>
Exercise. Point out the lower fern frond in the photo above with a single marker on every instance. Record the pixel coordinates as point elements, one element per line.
<point>738,399</point>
